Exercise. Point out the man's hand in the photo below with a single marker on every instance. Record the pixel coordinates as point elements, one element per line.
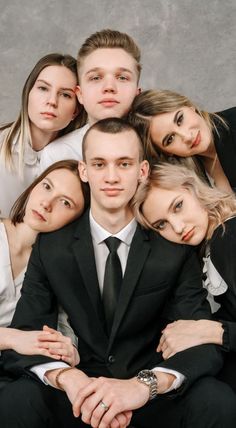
<point>73,382</point>
<point>106,403</point>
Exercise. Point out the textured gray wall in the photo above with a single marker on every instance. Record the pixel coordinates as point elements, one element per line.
<point>187,45</point>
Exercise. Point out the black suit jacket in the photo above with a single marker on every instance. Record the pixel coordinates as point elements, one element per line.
<point>162,282</point>
<point>223,256</point>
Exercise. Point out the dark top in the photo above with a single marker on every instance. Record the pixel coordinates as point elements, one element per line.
<point>223,256</point>
<point>225,143</point>
<point>162,283</point>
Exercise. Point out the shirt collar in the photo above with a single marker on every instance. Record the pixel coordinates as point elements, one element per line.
<point>99,234</point>
<point>31,157</point>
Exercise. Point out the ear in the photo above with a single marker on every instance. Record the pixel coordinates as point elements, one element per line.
<point>83,171</point>
<point>79,94</point>
<point>144,171</point>
<point>139,90</point>
<point>76,112</point>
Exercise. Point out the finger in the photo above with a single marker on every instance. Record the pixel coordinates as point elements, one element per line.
<point>166,354</point>
<point>49,336</point>
<point>97,414</point>
<point>50,329</point>
<point>162,339</point>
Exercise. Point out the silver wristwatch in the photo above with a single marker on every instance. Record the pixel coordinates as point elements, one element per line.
<point>149,378</point>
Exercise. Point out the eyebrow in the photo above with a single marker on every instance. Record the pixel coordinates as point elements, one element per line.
<point>49,84</point>
<point>119,69</point>
<point>62,196</point>
<point>118,159</point>
<point>175,121</point>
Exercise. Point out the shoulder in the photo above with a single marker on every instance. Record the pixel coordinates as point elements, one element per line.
<point>229,116</point>
<point>223,240</point>
<point>167,251</point>
<point>72,139</point>
<point>67,147</point>
<point>62,238</point>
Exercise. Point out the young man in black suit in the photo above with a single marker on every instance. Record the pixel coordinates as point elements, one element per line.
<point>120,378</point>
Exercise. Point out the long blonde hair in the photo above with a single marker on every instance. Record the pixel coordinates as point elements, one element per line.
<point>219,205</point>
<point>152,103</point>
<point>20,129</point>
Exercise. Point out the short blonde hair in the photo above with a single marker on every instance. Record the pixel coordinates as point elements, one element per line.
<point>109,39</point>
<point>219,205</point>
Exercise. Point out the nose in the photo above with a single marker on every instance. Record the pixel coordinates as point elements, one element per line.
<point>52,98</point>
<point>46,205</point>
<point>177,225</point>
<point>109,84</point>
<point>186,135</point>
<point>111,175</point>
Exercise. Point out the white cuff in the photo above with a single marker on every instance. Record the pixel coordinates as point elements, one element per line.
<point>41,369</point>
<point>180,378</point>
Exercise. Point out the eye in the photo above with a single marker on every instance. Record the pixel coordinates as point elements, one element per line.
<point>122,77</point>
<point>180,119</point>
<point>66,95</point>
<point>160,225</point>
<point>66,203</point>
<point>125,164</point>
<point>95,78</point>
<point>43,88</point>
<point>178,206</point>
<point>98,165</point>
<point>169,140</point>
<point>46,185</point>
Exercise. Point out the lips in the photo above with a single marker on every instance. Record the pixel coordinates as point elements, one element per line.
<point>197,140</point>
<point>187,236</point>
<point>38,215</point>
<point>48,114</point>
<point>108,102</point>
<point>112,191</point>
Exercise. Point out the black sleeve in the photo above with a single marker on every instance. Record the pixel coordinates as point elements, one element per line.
<point>36,307</point>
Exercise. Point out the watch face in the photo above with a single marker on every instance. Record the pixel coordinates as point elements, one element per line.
<point>146,376</point>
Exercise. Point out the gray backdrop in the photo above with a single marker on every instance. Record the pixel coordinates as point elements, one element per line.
<point>187,45</point>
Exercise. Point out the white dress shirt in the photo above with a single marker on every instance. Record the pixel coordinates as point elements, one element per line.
<point>99,234</point>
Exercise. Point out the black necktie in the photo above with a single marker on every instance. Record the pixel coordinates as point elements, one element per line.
<point>112,280</point>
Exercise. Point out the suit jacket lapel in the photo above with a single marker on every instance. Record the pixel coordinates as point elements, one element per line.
<point>138,253</point>
<point>84,255</point>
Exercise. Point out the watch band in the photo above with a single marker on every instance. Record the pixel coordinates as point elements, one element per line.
<point>149,378</point>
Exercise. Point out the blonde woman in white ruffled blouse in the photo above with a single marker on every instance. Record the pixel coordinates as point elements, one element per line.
<point>184,209</point>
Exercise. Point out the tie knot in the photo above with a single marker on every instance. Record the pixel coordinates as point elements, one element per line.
<point>112,243</point>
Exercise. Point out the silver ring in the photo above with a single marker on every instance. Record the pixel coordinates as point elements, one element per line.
<point>104,406</point>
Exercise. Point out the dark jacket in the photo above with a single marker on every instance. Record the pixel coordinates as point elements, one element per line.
<point>162,282</point>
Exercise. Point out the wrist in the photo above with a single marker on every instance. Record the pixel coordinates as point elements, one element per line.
<point>10,338</point>
<point>212,331</point>
<point>149,380</point>
<point>164,380</point>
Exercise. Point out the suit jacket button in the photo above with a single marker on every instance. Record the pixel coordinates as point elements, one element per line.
<point>111,359</point>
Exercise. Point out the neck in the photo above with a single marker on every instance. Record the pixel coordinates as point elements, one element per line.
<point>210,153</point>
<point>21,236</point>
<point>41,138</point>
<point>112,221</point>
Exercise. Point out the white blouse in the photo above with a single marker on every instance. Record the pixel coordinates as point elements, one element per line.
<point>10,290</point>
<point>11,184</point>
<point>214,283</point>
